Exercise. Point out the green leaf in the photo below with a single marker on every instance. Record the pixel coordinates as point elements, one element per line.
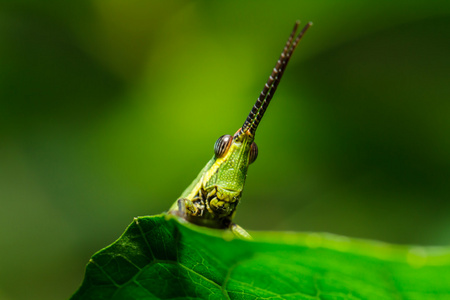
<point>159,258</point>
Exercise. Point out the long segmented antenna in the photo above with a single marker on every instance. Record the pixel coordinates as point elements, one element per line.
<point>258,110</point>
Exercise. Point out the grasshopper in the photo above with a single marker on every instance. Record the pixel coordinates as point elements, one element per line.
<point>212,198</point>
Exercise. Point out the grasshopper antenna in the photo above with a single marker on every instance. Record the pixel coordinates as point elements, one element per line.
<point>263,101</point>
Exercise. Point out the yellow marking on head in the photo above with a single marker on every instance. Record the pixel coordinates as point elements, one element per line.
<point>237,145</point>
<point>209,173</point>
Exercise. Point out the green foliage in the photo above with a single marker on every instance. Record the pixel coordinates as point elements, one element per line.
<point>159,258</point>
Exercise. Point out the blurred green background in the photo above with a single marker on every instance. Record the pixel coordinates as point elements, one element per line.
<point>109,109</point>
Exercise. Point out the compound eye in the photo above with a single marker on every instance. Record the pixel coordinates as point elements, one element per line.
<point>253,153</point>
<point>222,144</point>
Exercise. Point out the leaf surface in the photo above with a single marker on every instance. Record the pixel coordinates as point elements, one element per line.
<point>159,258</point>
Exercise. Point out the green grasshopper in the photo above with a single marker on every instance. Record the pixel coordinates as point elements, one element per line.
<point>212,198</point>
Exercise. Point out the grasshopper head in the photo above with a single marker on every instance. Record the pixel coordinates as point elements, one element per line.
<point>233,155</point>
